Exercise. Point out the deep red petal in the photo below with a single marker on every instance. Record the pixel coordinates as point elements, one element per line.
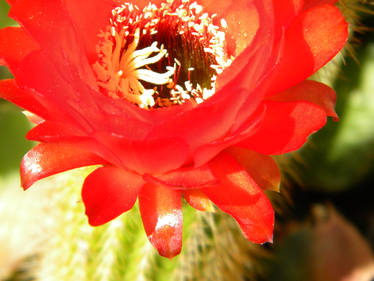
<point>70,100</point>
<point>15,45</point>
<point>208,151</point>
<point>198,200</point>
<point>25,99</point>
<point>204,124</point>
<point>251,63</point>
<point>286,127</point>
<point>285,12</point>
<point>238,195</point>
<point>56,132</point>
<point>212,119</point>
<point>242,19</point>
<point>310,3</point>
<point>311,91</point>
<point>185,178</point>
<point>64,94</point>
<point>311,40</point>
<point>47,159</point>
<point>49,131</point>
<point>161,211</point>
<point>48,22</point>
<point>42,19</point>
<point>148,156</point>
<point>262,168</point>
<point>90,18</point>
<point>108,192</point>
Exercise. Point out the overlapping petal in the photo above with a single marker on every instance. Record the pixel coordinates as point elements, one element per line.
<point>286,11</point>
<point>15,45</point>
<point>185,178</point>
<point>23,98</point>
<point>238,195</point>
<point>197,199</point>
<point>94,19</point>
<point>262,168</point>
<point>285,127</point>
<point>47,159</point>
<point>310,91</point>
<point>108,192</point>
<point>311,40</point>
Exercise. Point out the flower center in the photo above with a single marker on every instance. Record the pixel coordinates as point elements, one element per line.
<point>161,56</point>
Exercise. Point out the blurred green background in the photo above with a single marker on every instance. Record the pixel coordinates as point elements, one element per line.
<point>13,125</point>
<point>325,212</point>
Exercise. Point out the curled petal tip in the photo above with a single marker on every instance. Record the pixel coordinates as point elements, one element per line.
<point>270,239</point>
<point>166,250</point>
<point>47,159</point>
<point>246,202</point>
<point>198,200</point>
<point>93,221</point>
<point>27,172</point>
<point>167,234</point>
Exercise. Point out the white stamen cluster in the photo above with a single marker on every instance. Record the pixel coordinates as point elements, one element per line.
<point>121,66</point>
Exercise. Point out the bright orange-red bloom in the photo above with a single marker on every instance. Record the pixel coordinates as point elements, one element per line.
<point>171,100</point>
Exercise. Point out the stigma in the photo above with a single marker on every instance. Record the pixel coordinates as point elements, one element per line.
<point>161,56</point>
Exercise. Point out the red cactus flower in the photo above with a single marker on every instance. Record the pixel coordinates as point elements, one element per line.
<point>172,99</point>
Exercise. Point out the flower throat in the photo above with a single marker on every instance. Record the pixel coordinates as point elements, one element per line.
<point>161,56</point>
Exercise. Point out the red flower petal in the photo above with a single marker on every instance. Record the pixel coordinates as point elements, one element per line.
<point>205,123</point>
<point>52,132</point>
<point>250,64</point>
<point>25,99</point>
<point>242,21</point>
<point>108,192</point>
<point>311,40</point>
<point>65,94</point>
<point>311,91</point>
<point>212,119</point>
<point>184,178</point>
<point>285,11</point>
<point>161,211</point>
<point>49,131</point>
<point>208,151</point>
<point>238,195</point>
<point>47,159</point>
<point>148,156</point>
<point>44,19</point>
<point>262,168</point>
<point>94,19</point>
<point>310,3</point>
<point>198,200</point>
<point>286,127</point>
<point>48,22</point>
<point>33,118</point>
<point>15,45</point>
